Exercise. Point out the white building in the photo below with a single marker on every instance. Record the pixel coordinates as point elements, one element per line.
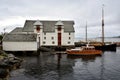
<point>37,33</point>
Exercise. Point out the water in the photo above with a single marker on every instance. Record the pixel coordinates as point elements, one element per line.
<point>49,66</point>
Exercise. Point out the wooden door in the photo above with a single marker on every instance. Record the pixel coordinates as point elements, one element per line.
<point>59,39</point>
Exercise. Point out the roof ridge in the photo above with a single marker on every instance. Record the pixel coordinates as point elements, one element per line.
<point>18,27</point>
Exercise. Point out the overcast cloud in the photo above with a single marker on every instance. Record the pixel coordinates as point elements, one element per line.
<point>13,13</point>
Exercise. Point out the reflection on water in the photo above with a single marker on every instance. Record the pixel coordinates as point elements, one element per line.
<point>59,56</point>
<point>84,58</point>
<point>47,66</point>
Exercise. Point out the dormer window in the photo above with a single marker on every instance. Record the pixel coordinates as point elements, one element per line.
<point>59,23</point>
<point>38,28</point>
<point>37,23</point>
<point>59,28</point>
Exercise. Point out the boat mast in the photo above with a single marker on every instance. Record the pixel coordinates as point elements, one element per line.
<point>86,31</point>
<point>103,23</point>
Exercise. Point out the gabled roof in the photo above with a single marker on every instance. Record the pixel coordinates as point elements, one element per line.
<point>20,37</point>
<point>59,23</point>
<point>16,30</point>
<point>37,23</point>
<point>48,26</point>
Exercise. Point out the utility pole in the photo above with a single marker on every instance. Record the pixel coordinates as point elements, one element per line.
<point>86,31</point>
<point>4,31</point>
<point>103,23</point>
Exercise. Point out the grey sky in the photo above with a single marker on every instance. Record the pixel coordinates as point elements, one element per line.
<point>13,13</point>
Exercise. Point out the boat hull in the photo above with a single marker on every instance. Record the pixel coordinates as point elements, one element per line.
<point>87,52</point>
<point>110,47</point>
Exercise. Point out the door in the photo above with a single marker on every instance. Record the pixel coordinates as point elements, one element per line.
<point>59,39</point>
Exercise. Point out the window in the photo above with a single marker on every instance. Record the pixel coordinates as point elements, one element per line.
<point>53,42</point>
<point>52,38</point>
<point>59,28</point>
<point>68,42</point>
<point>69,38</point>
<point>44,37</point>
<point>38,28</point>
<point>44,33</point>
<point>44,42</point>
<point>69,33</point>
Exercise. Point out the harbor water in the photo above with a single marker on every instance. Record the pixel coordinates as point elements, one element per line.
<point>51,66</point>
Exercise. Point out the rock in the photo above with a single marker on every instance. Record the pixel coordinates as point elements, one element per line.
<point>1,57</point>
<point>2,53</point>
<point>4,65</point>
<point>11,56</point>
<point>4,73</point>
<point>8,62</point>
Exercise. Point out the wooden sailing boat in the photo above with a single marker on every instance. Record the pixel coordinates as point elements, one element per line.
<point>84,50</point>
<point>99,46</point>
<point>111,47</point>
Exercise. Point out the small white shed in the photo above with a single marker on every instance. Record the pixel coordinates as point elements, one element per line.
<point>20,42</point>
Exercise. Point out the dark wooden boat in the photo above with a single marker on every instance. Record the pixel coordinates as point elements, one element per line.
<point>99,45</point>
<point>109,47</point>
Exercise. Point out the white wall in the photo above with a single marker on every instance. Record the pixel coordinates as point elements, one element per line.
<point>65,39</point>
<point>64,36</point>
<point>48,41</point>
<point>20,46</point>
